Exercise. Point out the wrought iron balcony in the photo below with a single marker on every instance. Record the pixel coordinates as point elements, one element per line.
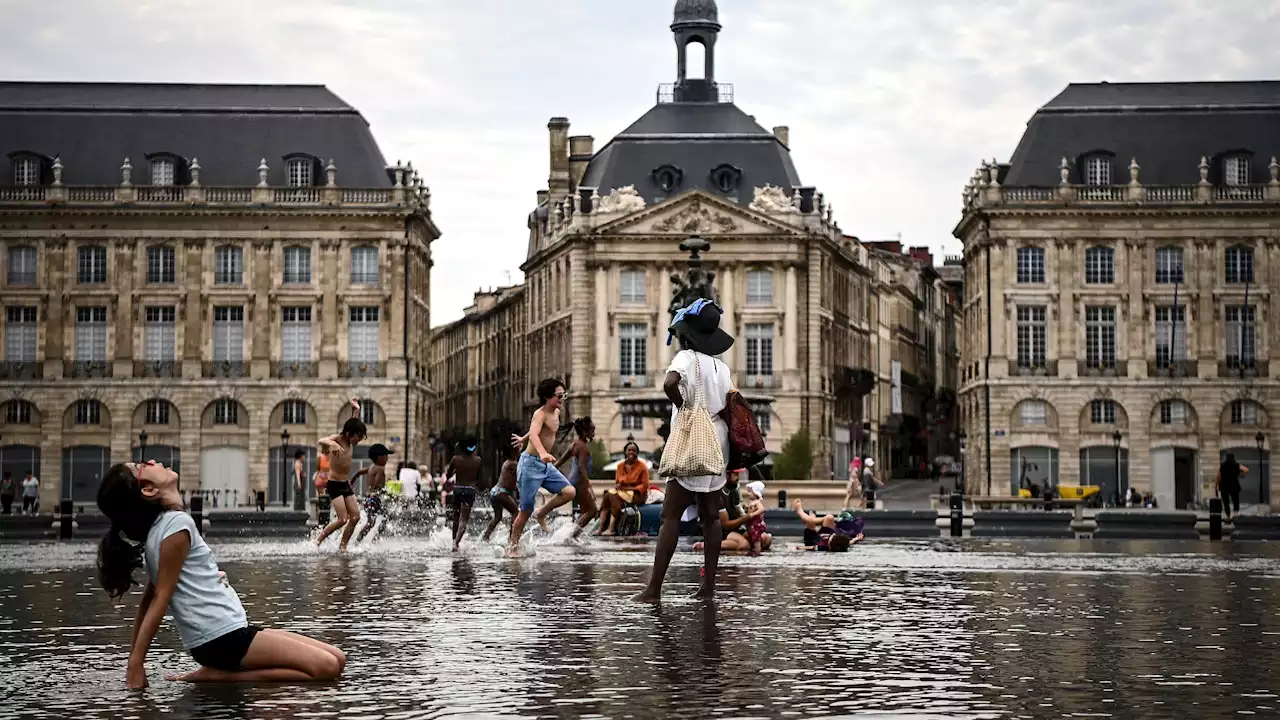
<point>1243,368</point>
<point>1043,368</point>
<point>157,369</point>
<point>21,371</point>
<point>1172,368</point>
<point>1102,368</point>
<point>362,369</point>
<point>225,369</point>
<point>87,369</point>
<point>291,369</point>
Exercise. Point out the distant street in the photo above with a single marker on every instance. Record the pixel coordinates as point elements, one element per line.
<point>908,494</point>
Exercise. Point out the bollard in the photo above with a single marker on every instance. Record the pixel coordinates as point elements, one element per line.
<point>957,515</point>
<point>262,501</point>
<point>782,499</point>
<point>1048,498</point>
<point>197,511</point>
<point>65,520</point>
<point>1215,518</point>
<point>323,506</point>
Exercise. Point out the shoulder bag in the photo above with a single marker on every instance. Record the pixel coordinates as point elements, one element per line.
<point>692,448</point>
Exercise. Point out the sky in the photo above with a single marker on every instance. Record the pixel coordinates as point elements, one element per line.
<point>891,105</point>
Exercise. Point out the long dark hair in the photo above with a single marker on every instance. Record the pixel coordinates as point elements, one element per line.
<point>131,515</point>
<point>579,426</point>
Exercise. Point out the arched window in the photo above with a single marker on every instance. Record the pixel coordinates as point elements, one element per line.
<point>1099,266</point>
<point>18,412</point>
<point>157,412</point>
<point>294,412</point>
<point>226,412</point>
<point>667,177</point>
<point>88,412</point>
<point>1102,412</point>
<point>725,178</point>
<point>1033,412</point>
<point>1244,412</point>
<point>1174,412</point>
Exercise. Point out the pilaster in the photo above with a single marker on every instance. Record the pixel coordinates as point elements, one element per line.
<point>193,338</point>
<point>601,295</point>
<point>397,367</point>
<point>124,270</point>
<point>262,321</point>
<point>790,323</point>
<point>664,318</point>
<point>728,319</point>
<point>1135,327</point>
<point>329,313</point>
<point>1205,267</point>
<point>55,311</point>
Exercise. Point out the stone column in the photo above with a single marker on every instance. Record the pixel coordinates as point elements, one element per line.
<point>397,366</point>
<point>329,313</point>
<point>50,465</point>
<point>125,268</point>
<point>1135,326</point>
<point>1271,334</point>
<point>728,320</point>
<point>54,318</point>
<point>790,323</point>
<point>1065,264</point>
<point>193,257</point>
<point>664,318</point>
<point>1206,319</point>
<point>601,329</point>
<point>259,316</point>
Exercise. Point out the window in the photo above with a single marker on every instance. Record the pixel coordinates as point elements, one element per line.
<point>632,287</point>
<point>297,265</point>
<point>631,421</point>
<point>160,265</point>
<point>298,171</point>
<point>1099,266</point>
<point>366,412</point>
<point>1173,412</point>
<point>91,334</point>
<point>162,172</point>
<point>88,412</point>
<point>1241,335</point>
<point>1169,265</point>
<point>1244,412</point>
<point>228,334</point>
<point>633,349</point>
<point>759,287</point>
<point>226,412</point>
<point>1033,412</point>
<point>1100,337</point>
<point>26,171</point>
<point>159,334</point>
<point>22,265</point>
<point>1102,412</point>
<point>759,337</point>
<point>20,334</point>
<point>91,265</point>
<point>764,421</point>
<point>1171,335</point>
<point>1032,336</point>
<point>228,265</point>
<point>364,265</point>
<point>1239,265</point>
<point>362,335</point>
<point>1031,265</point>
<point>294,412</point>
<point>296,334</point>
<point>157,412</point>
<point>18,412</point>
<point>1235,170</point>
<point>1097,170</point>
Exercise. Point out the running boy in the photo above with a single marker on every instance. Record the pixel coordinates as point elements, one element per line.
<point>377,474</point>
<point>537,467</point>
<point>465,467</point>
<point>339,448</point>
<point>503,495</point>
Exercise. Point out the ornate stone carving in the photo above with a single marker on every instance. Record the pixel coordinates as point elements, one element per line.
<point>697,219</point>
<point>621,200</point>
<point>1064,171</point>
<point>1103,393</point>
<point>770,199</point>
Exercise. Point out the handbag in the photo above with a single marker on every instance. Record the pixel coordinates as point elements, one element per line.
<point>746,443</point>
<point>692,448</point>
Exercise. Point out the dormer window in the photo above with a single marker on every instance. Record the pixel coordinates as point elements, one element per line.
<point>725,178</point>
<point>26,171</point>
<point>1235,170</point>
<point>1097,170</point>
<point>163,172</point>
<point>298,171</point>
<point>667,177</point>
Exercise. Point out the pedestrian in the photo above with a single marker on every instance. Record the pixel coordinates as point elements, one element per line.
<point>8,489</point>
<point>1229,483</point>
<point>30,494</point>
<point>537,467</point>
<point>299,473</point>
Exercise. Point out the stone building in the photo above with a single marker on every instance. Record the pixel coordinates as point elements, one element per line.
<point>1121,293</point>
<point>210,266</point>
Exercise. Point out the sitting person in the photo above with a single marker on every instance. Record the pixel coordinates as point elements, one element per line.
<point>734,519</point>
<point>755,516</point>
<point>631,487</point>
<point>828,533</point>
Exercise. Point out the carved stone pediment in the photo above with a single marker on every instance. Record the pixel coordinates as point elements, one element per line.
<point>697,213</point>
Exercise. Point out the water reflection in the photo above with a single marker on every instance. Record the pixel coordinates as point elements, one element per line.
<point>927,629</point>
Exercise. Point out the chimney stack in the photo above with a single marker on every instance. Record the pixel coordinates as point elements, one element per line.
<point>558,182</point>
<point>581,148</point>
<point>783,133</point>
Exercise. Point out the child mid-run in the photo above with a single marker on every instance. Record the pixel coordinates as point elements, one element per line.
<point>537,466</point>
<point>755,516</point>
<point>503,495</point>
<point>465,465</point>
<point>142,502</point>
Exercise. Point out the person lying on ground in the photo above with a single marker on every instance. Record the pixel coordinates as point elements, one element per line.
<point>820,532</point>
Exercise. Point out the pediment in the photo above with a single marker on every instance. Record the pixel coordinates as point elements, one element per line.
<point>696,212</point>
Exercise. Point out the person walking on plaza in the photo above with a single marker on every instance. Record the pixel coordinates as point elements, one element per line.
<point>698,380</point>
<point>339,449</point>
<point>299,477</point>
<point>537,466</point>
<point>149,527</point>
<point>375,489</point>
<point>1229,484</point>
<point>30,495</point>
<point>8,489</point>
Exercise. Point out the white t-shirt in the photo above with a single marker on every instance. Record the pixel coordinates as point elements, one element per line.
<point>716,383</point>
<point>204,605</point>
<point>409,479</point>
<point>31,487</point>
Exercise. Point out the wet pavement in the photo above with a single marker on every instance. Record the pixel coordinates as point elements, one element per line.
<point>971,629</point>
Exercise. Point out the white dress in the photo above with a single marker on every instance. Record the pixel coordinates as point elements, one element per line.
<point>716,383</point>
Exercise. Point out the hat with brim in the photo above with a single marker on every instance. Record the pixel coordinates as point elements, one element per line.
<point>698,327</point>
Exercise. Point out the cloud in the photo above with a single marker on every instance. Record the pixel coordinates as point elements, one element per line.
<point>891,104</point>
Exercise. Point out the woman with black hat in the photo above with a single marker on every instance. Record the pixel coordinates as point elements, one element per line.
<point>701,340</point>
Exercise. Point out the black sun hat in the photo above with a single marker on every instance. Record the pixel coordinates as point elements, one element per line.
<point>698,327</point>
<point>378,450</point>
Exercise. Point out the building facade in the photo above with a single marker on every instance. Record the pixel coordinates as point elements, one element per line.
<point>1120,294</point>
<point>186,279</point>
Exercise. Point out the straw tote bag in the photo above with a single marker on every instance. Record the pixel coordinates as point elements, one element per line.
<point>692,449</point>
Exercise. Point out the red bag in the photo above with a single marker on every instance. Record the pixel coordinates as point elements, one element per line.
<point>746,444</point>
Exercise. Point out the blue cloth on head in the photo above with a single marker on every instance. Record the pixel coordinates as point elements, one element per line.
<point>694,308</point>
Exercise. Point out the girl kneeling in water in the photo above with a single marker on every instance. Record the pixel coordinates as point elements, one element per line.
<point>143,504</point>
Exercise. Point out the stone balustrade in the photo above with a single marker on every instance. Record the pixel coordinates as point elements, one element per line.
<point>162,195</point>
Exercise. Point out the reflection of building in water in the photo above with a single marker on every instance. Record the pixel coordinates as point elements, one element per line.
<point>1120,293</point>
<point>212,265</point>
<point>797,293</point>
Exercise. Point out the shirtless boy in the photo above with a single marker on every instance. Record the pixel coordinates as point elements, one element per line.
<point>537,467</point>
<point>377,475</point>
<point>339,448</point>
<point>503,495</point>
<point>465,468</point>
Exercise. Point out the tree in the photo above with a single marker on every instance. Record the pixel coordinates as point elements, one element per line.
<point>599,458</point>
<point>796,459</point>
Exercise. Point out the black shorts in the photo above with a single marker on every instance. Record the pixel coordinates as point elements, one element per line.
<point>226,651</point>
<point>817,538</point>
<point>338,489</point>
<point>462,495</point>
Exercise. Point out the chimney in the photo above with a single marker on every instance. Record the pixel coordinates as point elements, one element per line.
<point>922,254</point>
<point>558,182</point>
<point>581,148</point>
<point>783,133</point>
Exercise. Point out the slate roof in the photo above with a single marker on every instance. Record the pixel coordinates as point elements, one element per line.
<point>1167,127</point>
<point>94,126</point>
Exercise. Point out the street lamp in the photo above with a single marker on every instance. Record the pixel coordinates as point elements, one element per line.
<point>1115,438</point>
<point>284,467</point>
<point>431,452</point>
<point>964,464</point>
<point>142,445</point>
<point>1264,478</point>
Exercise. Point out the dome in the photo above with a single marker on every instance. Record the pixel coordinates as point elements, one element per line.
<point>696,11</point>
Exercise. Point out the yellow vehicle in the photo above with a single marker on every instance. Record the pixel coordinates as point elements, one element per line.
<point>1069,492</point>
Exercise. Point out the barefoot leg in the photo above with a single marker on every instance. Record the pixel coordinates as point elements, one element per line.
<point>353,519</point>
<point>668,535</point>
<point>277,656</point>
<point>340,510</point>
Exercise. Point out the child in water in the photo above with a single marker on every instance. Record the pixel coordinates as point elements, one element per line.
<point>755,514</point>
<point>142,502</point>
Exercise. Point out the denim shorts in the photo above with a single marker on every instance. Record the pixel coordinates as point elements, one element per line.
<point>531,474</point>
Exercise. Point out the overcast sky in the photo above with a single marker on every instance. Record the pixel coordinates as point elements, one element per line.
<point>891,105</point>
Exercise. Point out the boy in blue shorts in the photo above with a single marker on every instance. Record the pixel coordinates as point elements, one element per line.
<point>537,466</point>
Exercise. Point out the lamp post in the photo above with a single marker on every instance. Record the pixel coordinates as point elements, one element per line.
<point>964,464</point>
<point>1264,474</point>
<point>431,452</point>
<point>284,467</point>
<point>1116,437</point>
<point>142,445</point>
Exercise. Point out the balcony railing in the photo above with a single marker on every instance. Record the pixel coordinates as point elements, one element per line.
<point>362,369</point>
<point>86,369</point>
<point>160,194</point>
<point>1243,368</point>
<point>1172,368</point>
<point>21,371</point>
<point>228,278</point>
<point>1045,368</point>
<point>225,369</point>
<point>758,382</point>
<point>364,278</point>
<point>632,381</point>
<point>290,369</point>
<point>410,193</point>
<point>157,369</point>
<point>1104,368</point>
<point>22,277</point>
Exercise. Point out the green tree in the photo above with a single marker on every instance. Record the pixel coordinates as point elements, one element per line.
<point>599,458</point>
<point>796,459</point>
